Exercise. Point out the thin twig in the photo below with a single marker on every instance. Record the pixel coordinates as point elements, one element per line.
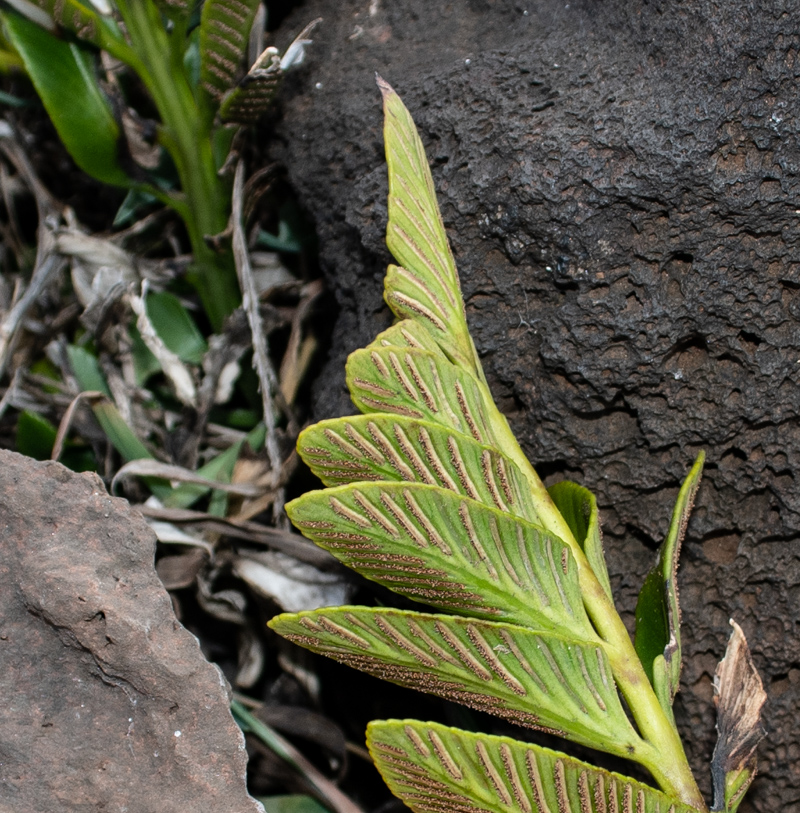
<point>66,421</point>
<point>266,375</point>
<point>48,263</point>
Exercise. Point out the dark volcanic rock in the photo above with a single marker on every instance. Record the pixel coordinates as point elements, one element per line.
<point>620,184</point>
<point>107,702</point>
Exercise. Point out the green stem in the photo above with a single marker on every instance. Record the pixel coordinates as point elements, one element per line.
<point>665,757</point>
<point>185,134</point>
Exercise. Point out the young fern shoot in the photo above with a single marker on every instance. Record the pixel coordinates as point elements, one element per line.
<point>430,494</point>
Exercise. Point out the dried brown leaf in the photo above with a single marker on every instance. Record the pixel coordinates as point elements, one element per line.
<point>739,697</point>
<point>181,570</point>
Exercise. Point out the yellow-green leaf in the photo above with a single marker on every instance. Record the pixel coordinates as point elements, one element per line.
<point>426,288</point>
<point>436,769</point>
<point>578,506</point>
<point>436,546</point>
<point>535,679</point>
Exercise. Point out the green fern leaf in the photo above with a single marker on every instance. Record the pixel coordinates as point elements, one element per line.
<point>434,498</point>
<point>426,287</point>
<point>438,547</point>
<point>423,385</point>
<point>224,32</point>
<point>578,506</point>
<point>406,333</point>
<point>436,769</point>
<point>535,679</point>
<point>247,101</point>
<point>382,447</point>
<point>658,620</point>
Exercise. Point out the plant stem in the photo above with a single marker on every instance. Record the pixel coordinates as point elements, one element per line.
<point>186,134</point>
<point>666,759</point>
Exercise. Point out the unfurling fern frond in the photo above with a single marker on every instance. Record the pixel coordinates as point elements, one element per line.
<point>430,495</point>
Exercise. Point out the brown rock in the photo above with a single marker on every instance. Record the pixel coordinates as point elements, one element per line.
<point>107,702</point>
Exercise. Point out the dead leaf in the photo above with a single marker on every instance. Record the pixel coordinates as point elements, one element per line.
<point>180,570</point>
<point>739,697</point>
<point>293,585</point>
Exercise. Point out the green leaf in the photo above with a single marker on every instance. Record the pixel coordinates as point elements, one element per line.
<point>122,437</point>
<point>426,287</point>
<point>382,447</point>
<point>438,547</point>
<point>63,74</point>
<point>658,634</point>
<point>175,327</point>
<point>87,370</point>
<point>534,679</point>
<point>220,469</point>
<point>578,506</point>
<point>422,385</point>
<point>436,769</point>
<point>292,803</point>
<point>135,200</point>
<point>224,32</point>
<point>35,435</point>
<point>245,103</point>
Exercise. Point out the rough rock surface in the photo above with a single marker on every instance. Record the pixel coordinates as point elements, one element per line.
<point>620,184</point>
<point>107,702</point>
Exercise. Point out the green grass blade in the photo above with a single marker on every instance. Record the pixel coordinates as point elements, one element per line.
<point>436,769</point>
<point>175,327</point>
<point>452,552</point>
<point>535,679</point>
<point>63,74</point>
<point>578,506</point>
<point>658,634</point>
<point>224,32</point>
<point>426,288</point>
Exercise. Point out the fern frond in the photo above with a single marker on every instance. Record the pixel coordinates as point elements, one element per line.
<point>432,496</point>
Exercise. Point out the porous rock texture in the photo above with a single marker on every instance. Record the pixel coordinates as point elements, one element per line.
<point>107,702</point>
<point>619,181</point>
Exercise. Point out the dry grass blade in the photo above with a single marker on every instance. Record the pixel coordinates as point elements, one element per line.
<point>48,262</point>
<point>254,532</point>
<point>266,375</point>
<point>300,349</point>
<point>66,420</point>
<point>155,468</point>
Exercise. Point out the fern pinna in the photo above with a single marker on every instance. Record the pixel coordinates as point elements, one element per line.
<point>430,495</point>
